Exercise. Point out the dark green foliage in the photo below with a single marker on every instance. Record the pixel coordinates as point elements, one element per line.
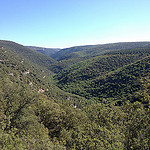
<point>21,85</point>
<point>36,114</point>
<point>67,57</point>
<point>98,66</point>
<point>60,65</point>
<point>67,51</point>
<point>114,75</point>
<point>136,127</point>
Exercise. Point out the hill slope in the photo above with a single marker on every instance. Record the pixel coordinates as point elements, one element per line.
<point>21,70</point>
<point>27,96</point>
<point>43,50</point>
<point>29,54</point>
<point>112,75</point>
<point>96,50</point>
<point>35,114</point>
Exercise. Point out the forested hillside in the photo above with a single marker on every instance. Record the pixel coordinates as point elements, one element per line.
<point>27,53</point>
<point>69,56</point>
<point>96,50</point>
<point>103,103</point>
<point>43,50</point>
<point>113,75</point>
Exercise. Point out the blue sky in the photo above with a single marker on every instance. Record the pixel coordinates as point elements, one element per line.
<point>66,23</point>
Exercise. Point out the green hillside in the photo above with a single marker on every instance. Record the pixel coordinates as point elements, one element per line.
<point>70,56</point>
<point>43,50</point>
<point>66,51</point>
<point>29,54</point>
<point>21,70</point>
<point>96,50</point>
<point>113,112</point>
<point>26,91</point>
<point>113,75</point>
<point>61,65</point>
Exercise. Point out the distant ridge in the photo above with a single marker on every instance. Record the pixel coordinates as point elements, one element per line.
<point>96,50</point>
<point>45,51</point>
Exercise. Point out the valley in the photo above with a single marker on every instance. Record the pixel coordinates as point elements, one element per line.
<point>85,97</point>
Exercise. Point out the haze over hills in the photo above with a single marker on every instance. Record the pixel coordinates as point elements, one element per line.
<point>89,97</point>
<point>45,51</point>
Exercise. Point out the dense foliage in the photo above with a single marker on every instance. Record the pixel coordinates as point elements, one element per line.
<point>36,114</point>
<point>67,57</point>
<point>27,53</point>
<point>113,75</point>
<point>96,50</point>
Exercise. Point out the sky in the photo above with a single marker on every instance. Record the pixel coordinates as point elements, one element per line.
<point>67,23</point>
